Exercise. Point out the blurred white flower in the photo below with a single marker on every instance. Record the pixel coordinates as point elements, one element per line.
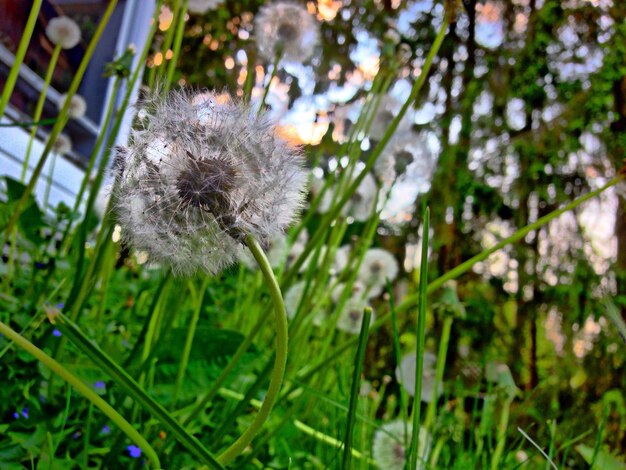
<point>102,200</point>
<point>405,373</point>
<point>200,7</point>
<point>199,176</point>
<point>358,291</point>
<point>62,145</point>
<point>63,31</point>
<point>362,201</point>
<point>388,109</point>
<point>378,265</point>
<point>287,28</point>
<point>405,149</point>
<point>388,448</point>
<point>351,316</point>
<point>293,297</point>
<point>78,105</point>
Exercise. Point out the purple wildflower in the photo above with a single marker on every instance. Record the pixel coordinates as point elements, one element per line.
<point>134,451</point>
<point>56,333</point>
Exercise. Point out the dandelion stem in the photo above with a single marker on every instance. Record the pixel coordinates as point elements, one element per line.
<point>19,55</point>
<point>84,390</point>
<point>280,362</point>
<point>279,53</point>
<point>39,107</point>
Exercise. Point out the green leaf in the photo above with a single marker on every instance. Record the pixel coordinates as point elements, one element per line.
<point>603,460</point>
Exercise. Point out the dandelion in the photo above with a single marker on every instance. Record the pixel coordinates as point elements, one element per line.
<point>286,30</point>
<point>293,298</point>
<point>378,265</point>
<point>401,153</point>
<point>389,449</point>
<point>388,109</point>
<point>63,144</point>
<point>78,106</point>
<point>405,373</point>
<point>64,32</point>
<point>361,202</point>
<point>201,174</point>
<point>358,291</point>
<point>200,7</point>
<point>352,316</point>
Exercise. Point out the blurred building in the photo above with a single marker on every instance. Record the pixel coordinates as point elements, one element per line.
<point>129,25</point>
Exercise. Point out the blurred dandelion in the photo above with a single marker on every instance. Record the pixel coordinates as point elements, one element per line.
<point>201,173</point>
<point>286,30</point>
<point>64,32</point>
<point>388,109</point>
<point>351,316</point>
<point>389,450</point>
<point>63,144</point>
<point>78,106</point>
<point>358,291</point>
<point>378,266</point>
<point>405,373</point>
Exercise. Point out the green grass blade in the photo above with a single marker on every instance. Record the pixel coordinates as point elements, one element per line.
<point>133,389</point>
<point>356,386</point>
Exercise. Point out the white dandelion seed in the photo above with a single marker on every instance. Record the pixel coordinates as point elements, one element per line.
<point>78,105</point>
<point>388,448</point>
<point>288,29</point>
<point>63,144</point>
<point>293,297</point>
<point>378,265</point>
<point>197,178</point>
<point>358,291</point>
<point>388,109</point>
<point>402,151</point>
<point>63,31</point>
<point>351,316</point>
<point>362,200</point>
<point>405,373</point>
<point>200,7</point>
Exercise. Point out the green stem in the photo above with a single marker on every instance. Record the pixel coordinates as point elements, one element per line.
<point>84,390</point>
<point>39,107</point>
<point>43,122</point>
<point>281,355</point>
<point>178,40</point>
<point>19,55</point>
<point>191,331</point>
<point>46,195</point>
<point>444,341</point>
<point>355,387</point>
<point>266,90</point>
<point>56,130</point>
<point>420,335</point>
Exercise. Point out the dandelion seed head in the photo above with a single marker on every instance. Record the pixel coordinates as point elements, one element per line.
<point>378,265</point>
<point>351,316</point>
<point>388,448</point>
<point>201,172</point>
<point>63,144</point>
<point>358,291</point>
<point>63,31</point>
<point>388,109</point>
<point>78,105</point>
<point>405,373</point>
<point>286,27</point>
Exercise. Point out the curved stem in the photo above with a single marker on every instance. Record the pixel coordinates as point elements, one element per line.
<point>280,362</point>
<point>84,390</point>
<point>31,22</point>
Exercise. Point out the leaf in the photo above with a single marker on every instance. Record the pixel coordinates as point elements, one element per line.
<point>603,460</point>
